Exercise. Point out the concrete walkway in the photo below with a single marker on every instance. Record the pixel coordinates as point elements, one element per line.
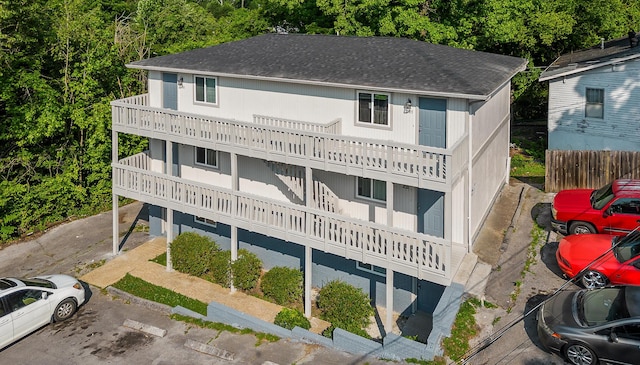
<point>136,263</point>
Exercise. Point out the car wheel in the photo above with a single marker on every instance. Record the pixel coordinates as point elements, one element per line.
<point>579,354</point>
<point>64,310</point>
<point>593,279</point>
<point>581,228</point>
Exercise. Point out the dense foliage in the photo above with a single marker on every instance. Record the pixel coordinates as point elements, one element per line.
<point>62,62</point>
<point>246,270</point>
<point>191,253</point>
<point>283,285</point>
<point>344,306</point>
<point>220,269</point>
<point>290,318</point>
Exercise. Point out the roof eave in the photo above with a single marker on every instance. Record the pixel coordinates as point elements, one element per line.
<point>322,83</point>
<point>587,68</point>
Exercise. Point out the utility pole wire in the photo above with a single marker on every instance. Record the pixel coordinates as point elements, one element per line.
<point>631,236</point>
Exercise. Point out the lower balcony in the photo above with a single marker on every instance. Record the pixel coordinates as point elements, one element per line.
<point>418,255</point>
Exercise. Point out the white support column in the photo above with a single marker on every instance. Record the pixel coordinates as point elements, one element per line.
<point>308,251</point>
<point>169,172</point>
<point>388,323</point>
<point>234,210</point>
<point>169,238</point>
<point>114,198</point>
<point>115,232</point>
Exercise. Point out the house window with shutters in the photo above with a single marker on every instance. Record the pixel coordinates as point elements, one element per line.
<point>595,103</point>
<point>373,108</point>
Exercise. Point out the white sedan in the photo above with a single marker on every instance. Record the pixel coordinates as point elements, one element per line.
<point>28,304</point>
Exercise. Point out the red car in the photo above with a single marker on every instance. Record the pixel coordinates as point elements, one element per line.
<point>613,209</point>
<point>608,259</point>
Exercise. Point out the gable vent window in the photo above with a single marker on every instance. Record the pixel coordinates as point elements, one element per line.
<point>205,89</point>
<point>206,157</point>
<point>373,108</point>
<point>595,103</point>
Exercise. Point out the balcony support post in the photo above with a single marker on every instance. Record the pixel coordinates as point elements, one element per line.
<point>169,238</point>
<point>114,197</point>
<point>169,171</point>
<point>308,251</point>
<point>234,211</point>
<point>388,323</point>
<point>114,210</point>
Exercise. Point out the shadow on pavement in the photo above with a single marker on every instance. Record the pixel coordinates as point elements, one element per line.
<point>143,215</point>
<point>548,257</point>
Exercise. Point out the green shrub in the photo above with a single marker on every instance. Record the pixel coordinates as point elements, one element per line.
<point>283,285</point>
<point>191,253</point>
<point>345,306</point>
<point>220,269</point>
<point>289,318</point>
<point>246,270</point>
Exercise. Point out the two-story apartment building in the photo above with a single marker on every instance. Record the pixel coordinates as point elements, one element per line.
<point>366,159</point>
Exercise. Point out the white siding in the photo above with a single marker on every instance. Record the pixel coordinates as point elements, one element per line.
<point>490,125</point>
<point>220,176</point>
<point>489,174</point>
<point>241,99</point>
<point>458,212</point>
<point>569,129</point>
<point>456,120</point>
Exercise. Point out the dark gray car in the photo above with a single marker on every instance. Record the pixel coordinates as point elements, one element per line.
<point>591,325</point>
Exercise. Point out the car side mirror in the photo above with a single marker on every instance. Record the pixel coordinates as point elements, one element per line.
<point>613,337</point>
<point>607,212</point>
<point>45,295</point>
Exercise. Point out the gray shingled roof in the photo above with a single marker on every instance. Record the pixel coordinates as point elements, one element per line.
<point>377,62</point>
<point>596,56</point>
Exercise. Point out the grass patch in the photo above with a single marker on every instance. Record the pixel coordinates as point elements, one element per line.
<point>527,156</point>
<point>160,259</point>
<point>464,328</point>
<point>537,239</point>
<point>146,290</point>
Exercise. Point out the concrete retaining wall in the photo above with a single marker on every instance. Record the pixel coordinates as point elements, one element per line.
<point>393,347</point>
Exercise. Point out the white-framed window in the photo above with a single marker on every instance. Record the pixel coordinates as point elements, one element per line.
<point>594,107</point>
<point>371,268</point>
<point>371,189</point>
<point>206,157</point>
<point>206,89</point>
<point>373,108</point>
<point>205,221</point>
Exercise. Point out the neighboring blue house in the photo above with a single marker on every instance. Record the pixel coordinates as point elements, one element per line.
<point>594,98</point>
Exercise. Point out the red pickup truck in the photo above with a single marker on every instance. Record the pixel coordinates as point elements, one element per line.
<point>612,209</point>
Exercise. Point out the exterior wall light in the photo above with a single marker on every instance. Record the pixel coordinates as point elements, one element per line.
<point>407,106</point>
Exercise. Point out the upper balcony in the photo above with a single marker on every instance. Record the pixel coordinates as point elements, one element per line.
<point>318,146</point>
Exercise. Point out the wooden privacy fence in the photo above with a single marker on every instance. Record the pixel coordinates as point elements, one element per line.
<point>588,169</point>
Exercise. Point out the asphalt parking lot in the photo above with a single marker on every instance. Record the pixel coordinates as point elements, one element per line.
<point>101,332</point>
<point>524,273</point>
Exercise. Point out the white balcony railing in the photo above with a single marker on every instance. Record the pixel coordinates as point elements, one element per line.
<point>403,251</point>
<point>291,142</point>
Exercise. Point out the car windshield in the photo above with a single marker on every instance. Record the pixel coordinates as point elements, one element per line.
<point>600,197</point>
<point>626,247</point>
<point>600,306</point>
<point>39,283</point>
